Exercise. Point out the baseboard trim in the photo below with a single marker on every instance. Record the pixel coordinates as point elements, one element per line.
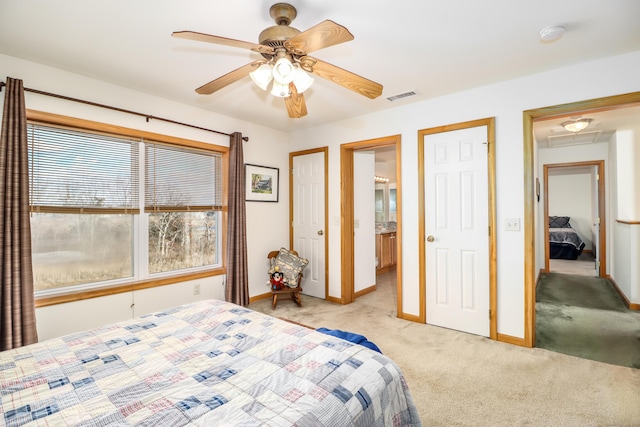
<point>409,317</point>
<point>630,305</point>
<point>365,291</point>
<point>511,340</point>
<point>259,297</point>
<point>335,300</point>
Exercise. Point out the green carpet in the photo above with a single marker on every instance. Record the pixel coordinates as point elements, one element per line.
<point>586,317</point>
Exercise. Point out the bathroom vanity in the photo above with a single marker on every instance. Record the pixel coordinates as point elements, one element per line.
<point>385,246</point>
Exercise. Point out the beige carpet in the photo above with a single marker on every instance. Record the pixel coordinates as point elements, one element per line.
<point>583,266</point>
<point>459,379</point>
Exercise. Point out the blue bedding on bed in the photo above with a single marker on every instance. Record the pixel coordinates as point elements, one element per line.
<point>351,337</point>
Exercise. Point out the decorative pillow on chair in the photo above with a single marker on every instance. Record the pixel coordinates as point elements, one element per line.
<point>559,222</point>
<point>291,265</point>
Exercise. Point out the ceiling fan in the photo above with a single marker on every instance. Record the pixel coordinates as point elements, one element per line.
<point>285,61</point>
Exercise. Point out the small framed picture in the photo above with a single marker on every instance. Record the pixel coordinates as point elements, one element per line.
<point>262,183</point>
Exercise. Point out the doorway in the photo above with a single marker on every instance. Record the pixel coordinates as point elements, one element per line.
<point>347,154</point>
<point>531,227</point>
<point>579,191</point>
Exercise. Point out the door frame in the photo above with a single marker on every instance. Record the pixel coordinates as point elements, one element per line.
<point>528,117</point>
<point>347,218</point>
<point>293,154</point>
<point>602,211</point>
<point>491,172</point>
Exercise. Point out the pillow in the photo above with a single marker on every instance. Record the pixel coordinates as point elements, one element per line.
<point>559,222</point>
<point>291,265</point>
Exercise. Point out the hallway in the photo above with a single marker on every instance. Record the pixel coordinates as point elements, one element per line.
<point>586,317</point>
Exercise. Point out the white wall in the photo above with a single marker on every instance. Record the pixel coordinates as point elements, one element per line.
<point>506,101</point>
<point>267,223</point>
<point>625,206</point>
<point>628,174</point>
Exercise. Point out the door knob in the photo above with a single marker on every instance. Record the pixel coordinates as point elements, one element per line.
<point>320,232</point>
<point>430,238</point>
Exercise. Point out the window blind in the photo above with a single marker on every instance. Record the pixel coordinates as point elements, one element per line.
<point>72,171</point>
<point>182,179</point>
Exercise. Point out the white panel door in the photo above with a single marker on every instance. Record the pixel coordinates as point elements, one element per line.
<point>364,218</point>
<point>457,230</point>
<point>308,220</point>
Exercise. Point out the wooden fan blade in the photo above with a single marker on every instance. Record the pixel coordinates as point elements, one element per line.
<point>201,37</point>
<point>296,106</point>
<point>228,78</point>
<point>347,79</point>
<point>325,34</point>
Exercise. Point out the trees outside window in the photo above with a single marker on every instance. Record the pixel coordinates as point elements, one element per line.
<point>91,204</point>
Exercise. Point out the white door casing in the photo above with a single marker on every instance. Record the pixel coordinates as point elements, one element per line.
<point>457,230</point>
<point>309,234</point>
<point>595,215</point>
<point>364,237</point>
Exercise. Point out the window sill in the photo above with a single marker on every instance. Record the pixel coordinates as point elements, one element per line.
<point>130,287</point>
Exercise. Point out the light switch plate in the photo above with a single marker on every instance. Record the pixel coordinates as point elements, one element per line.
<point>512,224</point>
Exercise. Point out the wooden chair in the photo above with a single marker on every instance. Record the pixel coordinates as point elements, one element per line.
<point>294,292</point>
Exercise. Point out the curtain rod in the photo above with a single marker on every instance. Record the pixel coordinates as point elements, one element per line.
<point>95,104</point>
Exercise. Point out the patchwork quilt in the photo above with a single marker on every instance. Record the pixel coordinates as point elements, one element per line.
<point>209,363</point>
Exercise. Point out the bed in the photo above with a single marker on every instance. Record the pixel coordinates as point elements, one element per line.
<point>564,241</point>
<point>208,363</point>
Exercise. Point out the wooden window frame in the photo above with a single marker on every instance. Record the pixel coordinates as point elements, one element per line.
<point>92,126</point>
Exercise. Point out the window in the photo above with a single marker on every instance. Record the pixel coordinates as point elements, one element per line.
<point>182,207</point>
<point>110,209</point>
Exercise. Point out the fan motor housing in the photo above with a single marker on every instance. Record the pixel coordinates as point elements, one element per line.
<point>275,36</point>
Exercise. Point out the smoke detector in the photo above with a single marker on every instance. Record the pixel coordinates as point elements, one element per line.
<point>551,34</point>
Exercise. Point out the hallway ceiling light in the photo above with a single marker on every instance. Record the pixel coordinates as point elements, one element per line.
<point>576,124</point>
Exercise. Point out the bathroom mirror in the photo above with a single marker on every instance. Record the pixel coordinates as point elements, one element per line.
<point>385,202</point>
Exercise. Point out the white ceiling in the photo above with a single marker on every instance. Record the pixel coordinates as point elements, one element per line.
<point>431,47</point>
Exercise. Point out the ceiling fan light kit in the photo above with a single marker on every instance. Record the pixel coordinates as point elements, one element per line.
<point>283,71</point>
<point>286,61</point>
<point>302,80</point>
<point>262,76</point>
<point>281,90</point>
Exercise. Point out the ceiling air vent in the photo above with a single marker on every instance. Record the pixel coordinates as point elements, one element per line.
<point>402,95</point>
<point>584,137</point>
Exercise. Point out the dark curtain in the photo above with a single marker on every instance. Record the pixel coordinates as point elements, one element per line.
<point>237,288</point>
<point>17,309</point>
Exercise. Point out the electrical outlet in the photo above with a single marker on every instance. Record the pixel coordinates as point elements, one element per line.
<point>196,289</point>
<point>512,224</point>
